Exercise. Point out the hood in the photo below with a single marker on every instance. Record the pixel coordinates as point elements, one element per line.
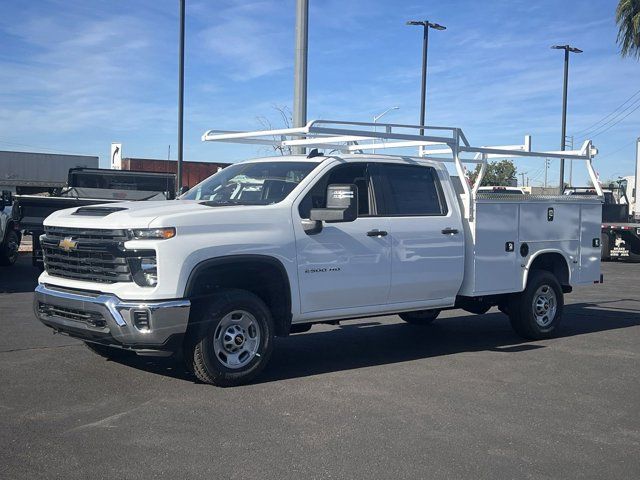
<point>121,214</point>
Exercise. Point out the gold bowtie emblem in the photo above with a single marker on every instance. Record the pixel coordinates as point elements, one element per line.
<point>67,244</point>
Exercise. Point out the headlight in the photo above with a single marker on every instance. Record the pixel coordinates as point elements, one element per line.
<point>152,233</point>
<point>144,271</point>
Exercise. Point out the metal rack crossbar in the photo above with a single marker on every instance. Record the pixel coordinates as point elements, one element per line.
<point>358,137</point>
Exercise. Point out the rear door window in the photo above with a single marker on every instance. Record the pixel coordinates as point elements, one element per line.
<point>410,190</point>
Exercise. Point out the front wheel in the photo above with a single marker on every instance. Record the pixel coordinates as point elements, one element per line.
<point>536,313</point>
<point>421,317</point>
<point>9,248</point>
<point>232,339</point>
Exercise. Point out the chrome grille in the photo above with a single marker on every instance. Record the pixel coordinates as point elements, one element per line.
<point>96,256</point>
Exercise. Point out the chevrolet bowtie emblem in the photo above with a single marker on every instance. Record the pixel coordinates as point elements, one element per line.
<point>67,244</point>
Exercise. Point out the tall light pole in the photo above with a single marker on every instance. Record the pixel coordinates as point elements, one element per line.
<point>378,117</point>
<point>180,100</point>
<point>300,67</point>
<point>567,49</point>
<point>426,25</point>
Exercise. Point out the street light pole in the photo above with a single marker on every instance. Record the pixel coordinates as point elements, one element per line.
<point>180,100</point>
<point>567,49</point>
<point>426,25</point>
<point>378,117</point>
<point>300,67</point>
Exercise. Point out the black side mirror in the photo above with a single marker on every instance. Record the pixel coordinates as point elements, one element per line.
<point>342,204</point>
<point>184,189</point>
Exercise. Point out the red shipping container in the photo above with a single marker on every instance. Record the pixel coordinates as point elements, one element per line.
<point>192,172</point>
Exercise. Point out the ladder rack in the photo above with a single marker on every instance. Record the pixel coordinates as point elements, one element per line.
<point>432,142</point>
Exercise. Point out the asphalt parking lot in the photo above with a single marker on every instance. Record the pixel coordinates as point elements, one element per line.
<point>373,398</point>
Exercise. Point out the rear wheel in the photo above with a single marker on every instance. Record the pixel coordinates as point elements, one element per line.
<point>9,248</point>
<point>232,339</point>
<point>421,317</point>
<point>536,313</point>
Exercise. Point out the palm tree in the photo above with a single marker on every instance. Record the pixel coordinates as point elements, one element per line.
<point>628,20</point>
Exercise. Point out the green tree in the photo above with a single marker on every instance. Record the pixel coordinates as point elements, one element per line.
<point>502,173</point>
<point>628,20</point>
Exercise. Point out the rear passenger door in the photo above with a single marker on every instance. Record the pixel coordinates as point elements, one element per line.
<point>427,241</point>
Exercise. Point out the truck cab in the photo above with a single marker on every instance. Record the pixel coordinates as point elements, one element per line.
<point>270,246</point>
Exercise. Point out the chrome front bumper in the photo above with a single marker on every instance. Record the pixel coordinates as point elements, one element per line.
<point>106,319</point>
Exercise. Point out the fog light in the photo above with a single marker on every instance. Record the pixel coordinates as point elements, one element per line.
<point>145,271</point>
<point>141,319</point>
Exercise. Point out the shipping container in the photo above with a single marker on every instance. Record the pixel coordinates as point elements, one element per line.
<point>192,172</point>
<point>30,172</point>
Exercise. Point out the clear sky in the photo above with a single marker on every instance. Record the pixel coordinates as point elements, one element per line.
<point>77,75</point>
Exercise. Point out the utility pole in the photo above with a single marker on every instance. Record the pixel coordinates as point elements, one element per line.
<point>636,183</point>
<point>546,172</point>
<point>300,67</point>
<point>426,25</point>
<point>569,143</point>
<point>567,48</point>
<point>180,100</point>
<point>522,174</point>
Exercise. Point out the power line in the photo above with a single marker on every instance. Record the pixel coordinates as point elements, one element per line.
<point>607,116</point>
<point>632,142</point>
<point>617,122</point>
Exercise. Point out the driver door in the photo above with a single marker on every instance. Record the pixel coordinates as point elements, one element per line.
<point>347,264</point>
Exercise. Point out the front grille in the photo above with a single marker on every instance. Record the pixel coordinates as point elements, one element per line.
<point>94,255</point>
<point>94,319</point>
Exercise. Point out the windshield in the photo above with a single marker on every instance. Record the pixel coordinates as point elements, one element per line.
<point>260,183</point>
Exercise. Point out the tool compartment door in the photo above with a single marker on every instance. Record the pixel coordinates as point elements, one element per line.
<point>496,267</point>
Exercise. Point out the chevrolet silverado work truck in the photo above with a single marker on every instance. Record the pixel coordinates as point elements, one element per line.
<point>267,247</point>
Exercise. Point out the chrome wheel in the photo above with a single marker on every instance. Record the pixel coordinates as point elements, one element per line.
<point>545,306</point>
<point>237,339</point>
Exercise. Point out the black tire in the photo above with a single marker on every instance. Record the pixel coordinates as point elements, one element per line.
<point>633,257</point>
<point>111,353</point>
<point>9,248</point>
<point>536,321</point>
<point>421,317</point>
<point>210,328</point>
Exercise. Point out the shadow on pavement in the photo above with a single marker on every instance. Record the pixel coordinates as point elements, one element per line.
<point>370,344</point>
<point>20,277</point>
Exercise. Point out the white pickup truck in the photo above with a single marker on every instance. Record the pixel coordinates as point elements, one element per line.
<point>268,247</point>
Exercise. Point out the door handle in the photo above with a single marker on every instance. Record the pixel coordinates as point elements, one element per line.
<point>377,233</point>
<point>449,231</point>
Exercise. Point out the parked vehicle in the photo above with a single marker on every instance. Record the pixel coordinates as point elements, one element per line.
<point>28,172</point>
<point>9,234</point>
<point>270,246</point>
<point>620,235</point>
<point>85,187</point>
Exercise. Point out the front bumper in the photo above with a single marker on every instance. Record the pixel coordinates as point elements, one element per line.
<point>105,319</point>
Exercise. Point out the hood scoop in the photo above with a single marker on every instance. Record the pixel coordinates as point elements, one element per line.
<point>97,211</point>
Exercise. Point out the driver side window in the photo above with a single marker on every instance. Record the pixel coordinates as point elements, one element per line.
<point>353,173</point>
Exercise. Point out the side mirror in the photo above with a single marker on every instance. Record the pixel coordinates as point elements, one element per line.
<point>184,189</point>
<point>342,205</point>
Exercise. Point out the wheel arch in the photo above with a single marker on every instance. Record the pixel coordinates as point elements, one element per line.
<point>262,275</point>
<point>553,261</point>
